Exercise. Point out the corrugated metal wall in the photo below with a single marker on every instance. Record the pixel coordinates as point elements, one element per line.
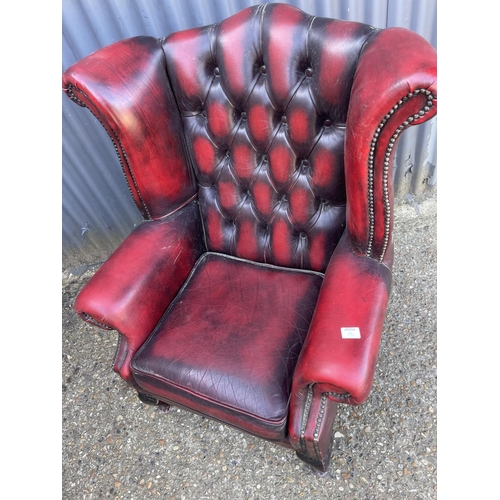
<point>98,211</point>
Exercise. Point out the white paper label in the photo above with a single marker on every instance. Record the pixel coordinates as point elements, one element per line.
<point>350,332</point>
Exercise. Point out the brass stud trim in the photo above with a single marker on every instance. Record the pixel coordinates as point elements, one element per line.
<point>307,409</point>
<point>385,173</point>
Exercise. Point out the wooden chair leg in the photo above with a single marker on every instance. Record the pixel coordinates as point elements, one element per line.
<point>316,434</point>
<point>151,400</point>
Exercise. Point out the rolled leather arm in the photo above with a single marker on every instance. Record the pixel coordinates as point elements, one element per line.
<point>132,289</point>
<point>337,361</point>
<point>394,87</point>
<point>125,85</point>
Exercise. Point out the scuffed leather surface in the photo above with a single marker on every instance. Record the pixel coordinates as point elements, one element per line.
<point>229,343</point>
<point>125,86</point>
<point>314,439</point>
<point>133,288</point>
<point>355,293</point>
<point>393,69</point>
<point>264,99</point>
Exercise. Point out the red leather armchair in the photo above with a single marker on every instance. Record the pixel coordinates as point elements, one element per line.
<point>259,151</point>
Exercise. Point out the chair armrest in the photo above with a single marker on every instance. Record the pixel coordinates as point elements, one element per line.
<point>125,86</point>
<point>133,288</point>
<point>334,364</point>
<point>394,87</point>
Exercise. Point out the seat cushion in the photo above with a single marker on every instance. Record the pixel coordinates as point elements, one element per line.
<point>228,344</point>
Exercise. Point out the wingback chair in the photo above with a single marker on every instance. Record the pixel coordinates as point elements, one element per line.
<point>259,151</point>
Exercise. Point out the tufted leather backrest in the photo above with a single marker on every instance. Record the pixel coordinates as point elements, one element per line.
<point>263,97</point>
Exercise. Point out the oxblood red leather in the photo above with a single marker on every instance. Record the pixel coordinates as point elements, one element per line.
<point>405,91</point>
<point>233,359</point>
<point>361,304</point>
<point>131,290</point>
<point>266,128</point>
<point>125,85</point>
<point>260,151</point>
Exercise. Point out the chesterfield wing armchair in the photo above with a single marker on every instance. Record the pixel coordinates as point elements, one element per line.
<point>259,151</point>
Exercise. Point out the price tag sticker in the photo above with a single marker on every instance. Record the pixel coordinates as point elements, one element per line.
<point>350,332</point>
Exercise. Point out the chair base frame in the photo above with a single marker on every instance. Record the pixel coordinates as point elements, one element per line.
<point>152,401</point>
<point>315,450</point>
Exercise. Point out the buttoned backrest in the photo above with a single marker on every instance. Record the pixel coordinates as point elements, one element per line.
<point>263,97</point>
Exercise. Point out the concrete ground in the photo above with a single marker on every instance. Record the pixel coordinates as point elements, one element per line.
<point>116,447</point>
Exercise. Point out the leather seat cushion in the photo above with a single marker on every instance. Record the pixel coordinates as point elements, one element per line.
<point>228,344</point>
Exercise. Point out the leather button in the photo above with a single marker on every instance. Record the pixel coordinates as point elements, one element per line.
<point>305,163</point>
<point>303,236</point>
<point>263,70</point>
<point>216,71</point>
<point>243,116</point>
<point>327,123</point>
<point>283,119</point>
<point>309,72</point>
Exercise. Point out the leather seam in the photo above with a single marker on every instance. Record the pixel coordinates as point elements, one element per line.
<point>187,153</point>
<point>195,267</point>
<point>89,319</point>
<point>263,8</point>
<point>185,149</point>
<point>367,39</point>
<point>175,210</point>
<point>171,305</point>
<point>265,264</point>
<point>275,423</point>
<point>205,241</point>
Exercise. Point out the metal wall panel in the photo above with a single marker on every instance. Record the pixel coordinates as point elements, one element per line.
<point>98,211</point>
<point>415,159</point>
